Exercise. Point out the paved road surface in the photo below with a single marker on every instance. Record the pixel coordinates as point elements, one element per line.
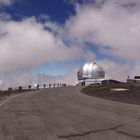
<point>67,114</point>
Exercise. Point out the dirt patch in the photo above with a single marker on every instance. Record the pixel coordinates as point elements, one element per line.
<point>132,95</point>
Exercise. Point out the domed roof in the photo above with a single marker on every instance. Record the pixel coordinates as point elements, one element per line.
<point>91,71</point>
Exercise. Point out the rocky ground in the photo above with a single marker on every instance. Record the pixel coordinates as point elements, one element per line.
<point>131,95</point>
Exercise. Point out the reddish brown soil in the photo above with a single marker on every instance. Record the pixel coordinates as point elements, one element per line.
<point>131,96</point>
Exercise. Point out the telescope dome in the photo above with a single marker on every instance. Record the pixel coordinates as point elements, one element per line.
<point>91,71</point>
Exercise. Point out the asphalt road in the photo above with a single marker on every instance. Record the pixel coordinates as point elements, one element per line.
<point>67,114</point>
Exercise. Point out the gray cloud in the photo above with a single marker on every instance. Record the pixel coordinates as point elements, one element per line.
<point>15,80</point>
<point>115,71</point>
<point>6,2</point>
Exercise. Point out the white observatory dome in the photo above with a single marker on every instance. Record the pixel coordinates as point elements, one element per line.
<point>91,71</point>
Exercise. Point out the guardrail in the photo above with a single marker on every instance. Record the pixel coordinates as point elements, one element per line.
<point>22,89</point>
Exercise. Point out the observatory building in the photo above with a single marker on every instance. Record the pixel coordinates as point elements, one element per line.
<point>91,73</point>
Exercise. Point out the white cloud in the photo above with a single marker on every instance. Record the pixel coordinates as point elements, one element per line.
<point>114,24</point>
<point>26,44</point>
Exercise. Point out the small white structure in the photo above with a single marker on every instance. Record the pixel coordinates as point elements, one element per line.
<point>91,73</point>
<point>136,79</point>
<point>119,89</point>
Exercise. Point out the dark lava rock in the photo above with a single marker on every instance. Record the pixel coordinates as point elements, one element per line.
<point>132,95</point>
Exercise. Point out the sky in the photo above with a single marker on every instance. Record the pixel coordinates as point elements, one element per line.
<point>43,39</point>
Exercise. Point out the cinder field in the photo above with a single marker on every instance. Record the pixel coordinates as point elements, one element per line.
<point>131,95</point>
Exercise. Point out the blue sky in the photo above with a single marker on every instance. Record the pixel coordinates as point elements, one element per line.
<point>55,37</point>
<point>57,10</point>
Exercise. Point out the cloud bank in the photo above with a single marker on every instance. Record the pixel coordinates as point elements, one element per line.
<point>110,25</point>
<point>29,44</point>
<point>26,44</point>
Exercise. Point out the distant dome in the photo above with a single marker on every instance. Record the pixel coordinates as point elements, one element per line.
<point>91,71</point>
